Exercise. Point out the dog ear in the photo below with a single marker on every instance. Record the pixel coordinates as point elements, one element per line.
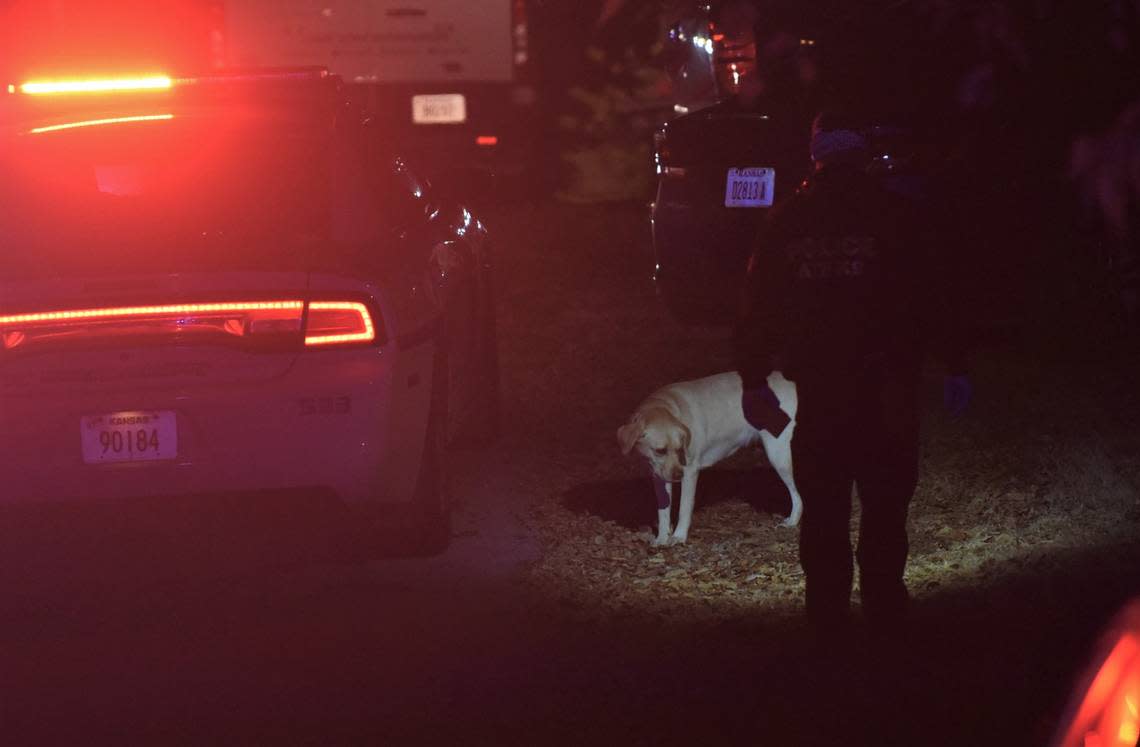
<point>629,434</point>
<point>686,438</point>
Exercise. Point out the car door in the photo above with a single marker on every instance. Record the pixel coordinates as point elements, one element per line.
<point>443,245</point>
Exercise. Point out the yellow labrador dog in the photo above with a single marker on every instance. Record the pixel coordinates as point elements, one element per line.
<point>684,427</point>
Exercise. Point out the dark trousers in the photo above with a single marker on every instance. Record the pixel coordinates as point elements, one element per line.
<point>859,431</point>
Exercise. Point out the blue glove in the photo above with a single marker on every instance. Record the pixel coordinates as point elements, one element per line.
<point>956,394</point>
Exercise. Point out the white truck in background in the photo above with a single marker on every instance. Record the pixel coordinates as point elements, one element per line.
<point>450,79</point>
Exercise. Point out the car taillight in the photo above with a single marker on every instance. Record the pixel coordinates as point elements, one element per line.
<point>1105,708</point>
<point>735,57</point>
<point>338,323</point>
<point>179,321</point>
<point>94,85</point>
<point>319,323</point>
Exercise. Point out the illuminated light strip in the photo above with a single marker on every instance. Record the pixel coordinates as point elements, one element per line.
<point>97,122</point>
<point>368,335</point>
<point>487,140</point>
<point>105,85</point>
<point>134,311</point>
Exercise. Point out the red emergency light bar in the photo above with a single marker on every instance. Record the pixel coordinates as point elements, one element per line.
<point>158,82</point>
<point>94,85</point>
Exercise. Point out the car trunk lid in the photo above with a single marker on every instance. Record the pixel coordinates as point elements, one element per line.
<point>170,330</point>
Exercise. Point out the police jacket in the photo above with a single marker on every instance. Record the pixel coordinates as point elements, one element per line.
<point>844,276</point>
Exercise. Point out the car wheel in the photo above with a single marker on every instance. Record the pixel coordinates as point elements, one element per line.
<point>433,491</point>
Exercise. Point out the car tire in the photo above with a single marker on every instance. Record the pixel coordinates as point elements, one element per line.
<point>432,499</point>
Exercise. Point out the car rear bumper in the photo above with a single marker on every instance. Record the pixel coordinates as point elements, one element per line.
<point>349,422</point>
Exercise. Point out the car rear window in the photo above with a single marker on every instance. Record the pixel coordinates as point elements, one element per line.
<point>164,194</point>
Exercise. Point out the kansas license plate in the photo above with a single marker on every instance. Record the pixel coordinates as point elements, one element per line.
<point>444,108</point>
<point>132,436</point>
<point>750,188</point>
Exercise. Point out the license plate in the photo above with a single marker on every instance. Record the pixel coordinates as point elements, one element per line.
<point>445,108</point>
<point>750,188</point>
<point>131,436</point>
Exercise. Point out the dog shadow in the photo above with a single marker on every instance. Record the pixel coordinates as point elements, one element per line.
<point>631,502</point>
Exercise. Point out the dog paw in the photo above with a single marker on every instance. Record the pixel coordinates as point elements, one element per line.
<point>678,540</point>
<point>661,541</point>
<point>790,522</point>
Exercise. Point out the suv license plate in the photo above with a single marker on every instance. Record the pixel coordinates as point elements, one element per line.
<point>445,108</point>
<point>130,436</point>
<point>750,188</point>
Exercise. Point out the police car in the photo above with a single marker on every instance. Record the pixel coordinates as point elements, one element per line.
<point>232,283</point>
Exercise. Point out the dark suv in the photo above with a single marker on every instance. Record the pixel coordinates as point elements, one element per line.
<point>745,98</point>
<point>719,171</point>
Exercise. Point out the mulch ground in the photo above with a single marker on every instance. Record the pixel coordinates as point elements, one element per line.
<point>1044,462</point>
<point>1027,508</point>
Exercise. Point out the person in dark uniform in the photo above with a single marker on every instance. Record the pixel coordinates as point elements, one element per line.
<point>843,294</point>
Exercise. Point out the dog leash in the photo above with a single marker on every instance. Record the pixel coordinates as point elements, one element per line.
<point>660,491</point>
